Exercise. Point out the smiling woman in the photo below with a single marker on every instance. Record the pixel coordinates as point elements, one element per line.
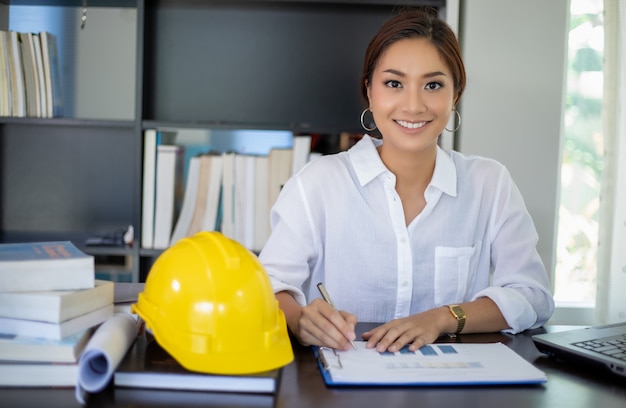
<point>401,231</point>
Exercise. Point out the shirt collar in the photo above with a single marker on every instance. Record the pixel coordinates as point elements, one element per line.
<point>366,160</point>
<point>368,165</point>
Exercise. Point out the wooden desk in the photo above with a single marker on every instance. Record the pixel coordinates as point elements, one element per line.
<point>302,386</point>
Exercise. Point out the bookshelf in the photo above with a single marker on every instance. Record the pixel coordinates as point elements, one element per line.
<point>197,64</point>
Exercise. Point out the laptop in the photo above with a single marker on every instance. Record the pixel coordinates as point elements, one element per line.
<point>599,345</point>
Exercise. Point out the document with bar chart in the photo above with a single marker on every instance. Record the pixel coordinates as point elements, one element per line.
<point>433,364</point>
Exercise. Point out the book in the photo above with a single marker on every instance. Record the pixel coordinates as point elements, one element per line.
<point>228,194</point>
<point>27,348</point>
<point>55,265</point>
<point>201,195</point>
<point>147,365</point>
<point>279,170</point>
<point>301,151</point>
<point>31,78</point>
<point>38,374</point>
<point>169,173</point>
<point>433,364</point>
<point>41,89</point>
<point>261,209</point>
<point>148,188</point>
<point>210,217</point>
<point>18,92</point>
<point>153,138</point>
<point>55,331</point>
<point>55,306</point>
<point>244,199</point>
<point>5,75</point>
<point>189,201</point>
<point>139,397</point>
<point>51,74</point>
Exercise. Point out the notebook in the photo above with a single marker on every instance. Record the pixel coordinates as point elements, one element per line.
<point>599,345</point>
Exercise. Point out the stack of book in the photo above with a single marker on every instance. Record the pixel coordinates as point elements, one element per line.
<point>50,304</point>
<point>30,80</point>
<point>228,192</point>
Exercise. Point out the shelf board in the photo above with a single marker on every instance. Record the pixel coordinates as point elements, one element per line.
<point>72,3</point>
<point>68,122</point>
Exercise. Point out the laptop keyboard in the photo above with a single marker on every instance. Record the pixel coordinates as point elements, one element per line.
<point>611,346</point>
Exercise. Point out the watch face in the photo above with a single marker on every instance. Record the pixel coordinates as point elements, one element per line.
<point>457,311</point>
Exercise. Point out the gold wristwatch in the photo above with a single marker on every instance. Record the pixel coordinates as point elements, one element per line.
<point>459,314</point>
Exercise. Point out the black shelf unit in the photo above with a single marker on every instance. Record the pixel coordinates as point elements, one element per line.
<point>68,178</point>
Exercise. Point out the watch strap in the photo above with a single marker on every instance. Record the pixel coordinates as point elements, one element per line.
<point>459,314</point>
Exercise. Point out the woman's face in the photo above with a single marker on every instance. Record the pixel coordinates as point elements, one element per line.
<point>411,95</point>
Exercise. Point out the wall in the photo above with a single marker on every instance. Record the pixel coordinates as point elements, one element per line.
<point>515,57</point>
<point>105,65</point>
<point>4,17</point>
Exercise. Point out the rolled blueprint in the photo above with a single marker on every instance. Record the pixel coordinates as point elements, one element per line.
<point>104,352</point>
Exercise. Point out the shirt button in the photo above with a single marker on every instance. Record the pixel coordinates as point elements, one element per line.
<point>405,283</point>
<point>403,240</point>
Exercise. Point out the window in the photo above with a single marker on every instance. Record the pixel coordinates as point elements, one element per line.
<point>582,158</point>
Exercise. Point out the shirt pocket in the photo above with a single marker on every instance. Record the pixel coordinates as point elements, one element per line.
<point>454,274</point>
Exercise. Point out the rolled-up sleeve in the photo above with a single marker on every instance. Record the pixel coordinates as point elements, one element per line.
<point>520,285</point>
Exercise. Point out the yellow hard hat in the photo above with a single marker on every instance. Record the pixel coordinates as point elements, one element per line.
<point>210,305</point>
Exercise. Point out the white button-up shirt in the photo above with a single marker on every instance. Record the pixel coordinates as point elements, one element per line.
<point>340,221</point>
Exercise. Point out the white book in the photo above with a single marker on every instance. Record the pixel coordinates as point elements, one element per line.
<point>55,265</point>
<point>168,174</point>
<point>38,374</point>
<point>52,73</point>
<point>228,195</point>
<point>201,196</point>
<point>5,75</point>
<point>280,168</point>
<point>27,348</point>
<point>261,209</point>
<point>213,194</point>
<point>301,151</point>
<point>244,199</point>
<point>43,99</point>
<point>55,331</point>
<point>148,188</point>
<point>56,306</point>
<point>31,78</point>
<point>189,201</point>
<point>18,92</point>
<point>45,38</point>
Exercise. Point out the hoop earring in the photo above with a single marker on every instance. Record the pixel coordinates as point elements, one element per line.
<point>458,124</point>
<point>363,121</point>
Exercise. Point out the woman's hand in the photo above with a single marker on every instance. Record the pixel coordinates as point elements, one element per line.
<point>483,316</point>
<point>416,330</point>
<point>318,323</point>
<point>322,325</point>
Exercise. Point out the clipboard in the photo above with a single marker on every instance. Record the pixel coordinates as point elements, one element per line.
<point>440,364</point>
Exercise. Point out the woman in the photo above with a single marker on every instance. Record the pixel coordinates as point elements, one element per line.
<point>400,232</point>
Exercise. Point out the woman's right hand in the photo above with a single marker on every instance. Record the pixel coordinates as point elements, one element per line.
<point>318,323</point>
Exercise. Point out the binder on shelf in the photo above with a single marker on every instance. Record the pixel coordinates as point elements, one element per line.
<point>5,75</point>
<point>168,192</point>
<point>189,201</point>
<point>148,188</point>
<point>41,89</point>
<point>153,138</point>
<point>18,91</point>
<point>52,74</point>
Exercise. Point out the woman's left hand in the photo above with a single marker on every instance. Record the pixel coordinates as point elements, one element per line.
<point>416,330</point>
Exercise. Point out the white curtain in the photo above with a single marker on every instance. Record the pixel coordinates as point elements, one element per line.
<point>611,295</point>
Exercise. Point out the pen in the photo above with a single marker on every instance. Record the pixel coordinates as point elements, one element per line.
<point>326,296</point>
